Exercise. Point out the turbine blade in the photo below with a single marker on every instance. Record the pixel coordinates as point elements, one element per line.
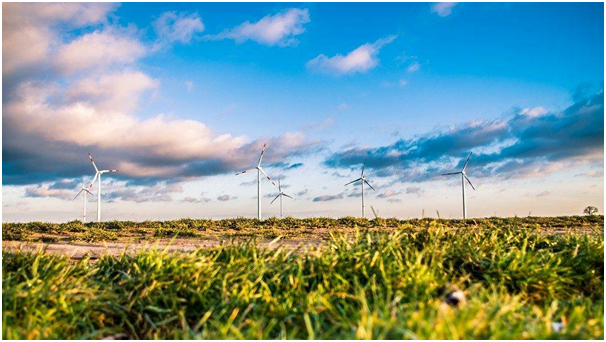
<point>468,181</point>
<point>275,199</point>
<point>269,179</point>
<point>287,196</point>
<point>94,180</point>
<point>79,192</point>
<point>279,187</point>
<point>261,156</point>
<point>93,161</point>
<point>450,173</point>
<point>112,170</point>
<point>353,181</point>
<point>374,212</point>
<point>89,192</point>
<point>467,161</point>
<point>363,166</point>
<point>245,171</point>
<point>369,185</point>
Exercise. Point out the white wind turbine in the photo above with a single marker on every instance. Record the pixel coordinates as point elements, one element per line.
<point>463,178</point>
<point>98,178</point>
<point>280,194</point>
<point>362,180</point>
<point>259,171</point>
<point>85,190</point>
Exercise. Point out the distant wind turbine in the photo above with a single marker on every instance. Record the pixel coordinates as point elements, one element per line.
<point>463,178</point>
<point>259,171</point>
<point>98,179</point>
<point>362,180</point>
<point>85,190</point>
<point>280,194</point>
<point>375,212</point>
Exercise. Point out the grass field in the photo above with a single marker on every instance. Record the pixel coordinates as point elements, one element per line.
<point>539,278</point>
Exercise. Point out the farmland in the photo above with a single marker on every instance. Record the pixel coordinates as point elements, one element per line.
<point>538,278</point>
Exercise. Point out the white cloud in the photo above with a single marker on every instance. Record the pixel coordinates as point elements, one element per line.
<point>279,29</point>
<point>99,49</point>
<point>361,59</point>
<point>443,9</point>
<point>389,193</point>
<point>414,67</point>
<point>111,92</point>
<point>403,83</point>
<point>55,119</point>
<point>534,112</point>
<point>189,85</point>
<point>177,27</point>
<point>45,191</point>
<point>29,35</point>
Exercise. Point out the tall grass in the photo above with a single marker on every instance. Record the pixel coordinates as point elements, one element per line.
<point>269,228</point>
<point>380,285</point>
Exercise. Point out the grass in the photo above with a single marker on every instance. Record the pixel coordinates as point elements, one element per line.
<point>363,284</point>
<point>316,227</point>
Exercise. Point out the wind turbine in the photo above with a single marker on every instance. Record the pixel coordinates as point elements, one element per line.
<point>362,180</point>
<point>280,194</point>
<point>463,178</point>
<point>98,178</point>
<point>375,212</point>
<point>259,171</point>
<point>85,190</point>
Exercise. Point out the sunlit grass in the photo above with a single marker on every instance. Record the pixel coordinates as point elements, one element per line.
<point>363,284</point>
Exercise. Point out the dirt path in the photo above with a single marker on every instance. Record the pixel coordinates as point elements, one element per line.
<point>95,250</point>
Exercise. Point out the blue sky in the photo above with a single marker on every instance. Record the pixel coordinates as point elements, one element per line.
<point>179,97</point>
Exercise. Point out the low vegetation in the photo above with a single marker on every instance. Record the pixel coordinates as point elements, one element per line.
<point>381,284</point>
<point>317,227</point>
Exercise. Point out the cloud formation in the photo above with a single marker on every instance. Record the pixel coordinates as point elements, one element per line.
<point>389,193</point>
<point>326,198</point>
<point>523,144</point>
<point>173,27</point>
<point>81,95</point>
<point>362,59</point>
<point>443,9</point>
<point>279,29</point>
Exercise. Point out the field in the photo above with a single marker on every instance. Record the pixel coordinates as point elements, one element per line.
<point>539,278</point>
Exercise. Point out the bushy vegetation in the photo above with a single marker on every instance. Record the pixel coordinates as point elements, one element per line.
<point>270,228</point>
<point>362,284</point>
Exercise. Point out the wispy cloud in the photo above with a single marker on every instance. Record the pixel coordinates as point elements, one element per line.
<point>189,199</point>
<point>413,67</point>
<point>224,198</point>
<point>517,145</point>
<point>173,27</point>
<point>279,29</point>
<point>443,9</point>
<point>326,198</point>
<point>414,190</point>
<point>360,60</point>
<point>389,193</point>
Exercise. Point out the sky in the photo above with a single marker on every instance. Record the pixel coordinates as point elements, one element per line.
<point>179,97</point>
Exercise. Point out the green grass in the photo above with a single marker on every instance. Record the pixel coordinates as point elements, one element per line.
<point>363,284</point>
<point>316,227</point>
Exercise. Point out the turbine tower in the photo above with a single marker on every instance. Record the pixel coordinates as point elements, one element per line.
<point>362,180</point>
<point>98,179</point>
<point>280,194</point>
<point>259,171</point>
<point>463,178</point>
<point>85,190</point>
